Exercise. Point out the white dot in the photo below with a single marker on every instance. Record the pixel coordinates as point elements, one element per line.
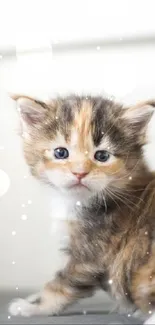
<point>129,315</point>
<point>19,308</point>
<point>146,233</point>
<point>84,312</point>
<point>9,317</point>
<point>1,148</point>
<point>150,311</point>
<point>56,117</point>
<point>13,233</point>
<point>130,178</point>
<point>86,97</point>
<point>98,48</point>
<point>110,281</point>
<point>23,205</point>
<point>29,202</point>
<point>96,244</point>
<point>24,217</point>
<point>17,288</point>
<point>147,253</point>
<point>78,203</point>
<point>86,152</point>
<point>25,176</point>
<point>149,303</point>
<point>4,182</point>
<point>102,132</point>
<point>13,262</point>
<point>150,276</point>
<point>126,294</point>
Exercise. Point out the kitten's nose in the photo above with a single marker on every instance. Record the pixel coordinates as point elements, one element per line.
<point>80,175</point>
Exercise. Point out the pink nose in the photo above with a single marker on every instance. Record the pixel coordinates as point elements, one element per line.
<point>80,175</point>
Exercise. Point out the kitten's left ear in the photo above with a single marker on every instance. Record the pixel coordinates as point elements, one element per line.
<point>140,114</point>
<point>32,112</point>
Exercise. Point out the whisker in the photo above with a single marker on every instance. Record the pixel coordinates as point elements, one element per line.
<point>105,203</point>
<point>123,199</point>
<point>111,196</point>
<point>128,174</point>
<point>127,193</point>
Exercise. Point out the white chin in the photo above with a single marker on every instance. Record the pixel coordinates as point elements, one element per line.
<point>79,193</point>
<point>77,189</point>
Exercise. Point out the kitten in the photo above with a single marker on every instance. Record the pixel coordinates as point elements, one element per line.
<point>92,153</point>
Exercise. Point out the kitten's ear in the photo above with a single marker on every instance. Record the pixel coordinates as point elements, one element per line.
<point>140,114</point>
<point>32,111</point>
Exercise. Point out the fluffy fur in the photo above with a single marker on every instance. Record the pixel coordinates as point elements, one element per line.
<point>109,213</point>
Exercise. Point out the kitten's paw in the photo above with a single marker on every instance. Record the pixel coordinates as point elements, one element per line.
<point>22,307</point>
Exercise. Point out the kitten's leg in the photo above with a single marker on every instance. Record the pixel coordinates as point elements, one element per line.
<point>143,289</point>
<point>34,297</point>
<point>71,284</point>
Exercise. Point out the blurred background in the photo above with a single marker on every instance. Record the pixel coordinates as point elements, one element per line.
<point>56,47</point>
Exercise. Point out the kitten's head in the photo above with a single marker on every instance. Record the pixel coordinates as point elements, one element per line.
<point>84,146</point>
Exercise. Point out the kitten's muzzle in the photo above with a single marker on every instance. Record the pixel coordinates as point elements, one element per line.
<point>80,175</point>
<point>78,182</point>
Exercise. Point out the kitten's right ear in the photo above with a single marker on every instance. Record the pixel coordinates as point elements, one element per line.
<point>32,111</point>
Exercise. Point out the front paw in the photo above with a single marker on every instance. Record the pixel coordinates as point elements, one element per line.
<point>22,307</point>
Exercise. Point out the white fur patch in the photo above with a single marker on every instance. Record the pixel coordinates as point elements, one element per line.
<point>62,207</point>
<point>149,148</point>
<point>23,307</point>
<point>52,303</point>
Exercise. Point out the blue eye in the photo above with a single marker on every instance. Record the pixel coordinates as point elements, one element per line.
<point>61,153</point>
<point>102,155</point>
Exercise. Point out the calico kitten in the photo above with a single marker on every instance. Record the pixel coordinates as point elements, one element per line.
<point>90,151</point>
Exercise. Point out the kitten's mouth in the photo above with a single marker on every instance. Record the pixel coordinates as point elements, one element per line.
<point>79,185</point>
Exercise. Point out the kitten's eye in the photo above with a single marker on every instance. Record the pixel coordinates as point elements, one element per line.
<point>102,155</point>
<point>61,153</point>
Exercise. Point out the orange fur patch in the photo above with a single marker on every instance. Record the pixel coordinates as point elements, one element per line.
<point>58,288</point>
<point>82,124</point>
<point>85,166</point>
